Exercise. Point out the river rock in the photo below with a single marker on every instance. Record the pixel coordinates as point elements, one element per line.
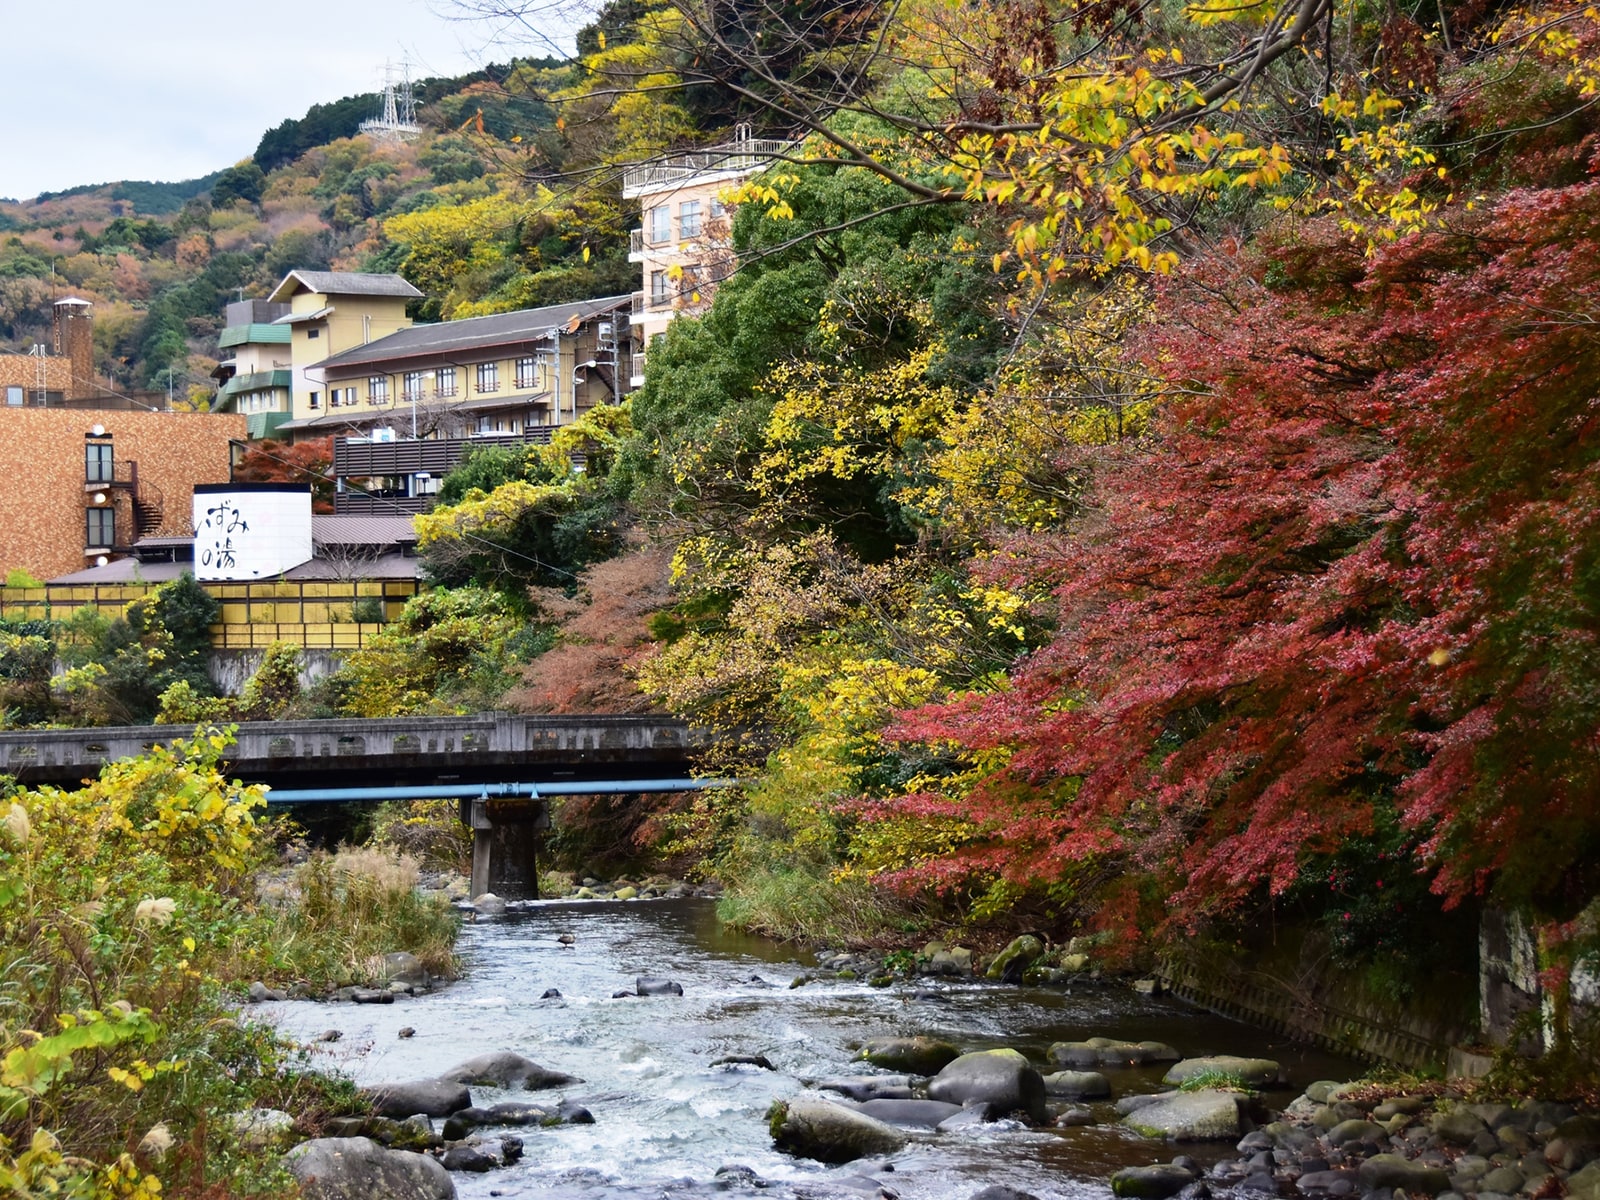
<point>1008,965</point>
<point>431,1097</point>
<point>1585,1184</point>
<point>868,1087</point>
<point>1110,1052</point>
<point>1457,1127</point>
<point>1151,1183</point>
<point>1250,1072</point>
<point>372,996</point>
<point>401,967</point>
<point>506,1069</point>
<point>1201,1116</point>
<point>1346,1132</point>
<point>1077,1085</point>
<point>359,1169</point>
<point>812,1128</point>
<point>625,893</point>
<point>459,1124</point>
<point>916,1114</point>
<point>260,993</point>
<point>999,1191</point>
<point>646,985</point>
<point>916,1055</point>
<point>1002,1078</point>
<point>1401,1174</point>
<point>759,1061</point>
<point>488,904</point>
<point>1575,1143</point>
<point>468,1158</point>
<point>413,1133</point>
<point>939,959</point>
<point>262,1127</point>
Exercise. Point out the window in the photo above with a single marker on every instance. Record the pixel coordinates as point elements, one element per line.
<point>101,527</point>
<point>446,381</point>
<point>527,372</point>
<point>313,332</point>
<point>424,485</point>
<point>718,208</point>
<point>488,378</point>
<point>316,400</point>
<point>660,225</point>
<point>658,288</point>
<point>378,389</point>
<point>97,464</point>
<point>689,219</point>
<point>412,386</point>
<point>13,396</point>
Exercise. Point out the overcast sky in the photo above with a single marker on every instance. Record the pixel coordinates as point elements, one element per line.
<point>99,90</point>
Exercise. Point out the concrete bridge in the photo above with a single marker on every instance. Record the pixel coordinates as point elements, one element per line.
<point>502,768</point>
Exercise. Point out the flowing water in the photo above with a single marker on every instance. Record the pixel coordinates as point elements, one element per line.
<point>666,1119</point>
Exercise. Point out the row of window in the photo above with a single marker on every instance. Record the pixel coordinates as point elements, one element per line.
<point>658,221</point>
<point>529,374</point>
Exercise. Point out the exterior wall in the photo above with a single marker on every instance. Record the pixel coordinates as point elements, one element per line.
<point>22,370</point>
<point>354,321</point>
<point>547,400</point>
<point>42,477</point>
<point>682,259</point>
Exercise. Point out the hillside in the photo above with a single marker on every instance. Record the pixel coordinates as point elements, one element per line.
<point>161,259</point>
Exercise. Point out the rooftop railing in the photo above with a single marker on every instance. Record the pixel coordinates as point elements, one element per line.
<point>733,158</point>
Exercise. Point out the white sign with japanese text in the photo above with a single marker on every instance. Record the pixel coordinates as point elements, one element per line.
<point>250,531</point>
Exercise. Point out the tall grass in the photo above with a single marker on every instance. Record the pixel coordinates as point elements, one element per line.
<point>350,908</point>
<point>804,902</point>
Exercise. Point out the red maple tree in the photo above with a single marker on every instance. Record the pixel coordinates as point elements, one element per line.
<point>1357,568</point>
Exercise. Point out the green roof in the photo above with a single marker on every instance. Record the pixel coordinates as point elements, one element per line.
<point>264,424</point>
<point>242,335</point>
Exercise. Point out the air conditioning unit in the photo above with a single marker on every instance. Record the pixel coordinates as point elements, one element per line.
<point>384,434</point>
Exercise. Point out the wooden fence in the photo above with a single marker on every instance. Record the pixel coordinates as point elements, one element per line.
<point>317,615</point>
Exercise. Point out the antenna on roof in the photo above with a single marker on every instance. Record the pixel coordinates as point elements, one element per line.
<point>397,120</point>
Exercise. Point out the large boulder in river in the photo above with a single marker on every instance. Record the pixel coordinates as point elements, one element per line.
<point>868,1087</point>
<point>813,1128</point>
<point>1403,1175</point>
<point>431,1097</point>
<point>912,1114</point>
<point>1152,1183</point>
<point>1002,1079</point>
<point>506,1069</point>
<point>915,1055</point>
<point>1077,1085</point>
<point>1010,962</point>
<point>359,1169</point>
<point>1110,1052</point>
<point>1245,1072</point>
<point>1202,1116</point>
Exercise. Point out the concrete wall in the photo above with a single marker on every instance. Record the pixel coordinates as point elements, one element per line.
<point>231,669</point>
<point>42,494</point>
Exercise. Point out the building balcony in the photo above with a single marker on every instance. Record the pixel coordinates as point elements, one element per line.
<point>730,161</point>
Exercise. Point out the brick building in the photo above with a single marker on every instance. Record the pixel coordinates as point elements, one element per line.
<point>81,486</point>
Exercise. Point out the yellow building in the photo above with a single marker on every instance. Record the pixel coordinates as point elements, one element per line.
<point>517,374</point>
<point>331,312</point>
<point>684,243</point>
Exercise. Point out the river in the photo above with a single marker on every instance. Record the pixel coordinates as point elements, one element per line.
<point>665,1120</point>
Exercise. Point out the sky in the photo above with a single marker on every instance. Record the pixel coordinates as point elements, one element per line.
<point>101,90</point>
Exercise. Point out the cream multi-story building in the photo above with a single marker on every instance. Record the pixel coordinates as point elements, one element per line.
<point>330,312</point>
<point>684,242</point>
<point>506,373</point>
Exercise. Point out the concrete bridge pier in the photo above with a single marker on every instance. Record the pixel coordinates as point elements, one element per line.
<point>505,842</point>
